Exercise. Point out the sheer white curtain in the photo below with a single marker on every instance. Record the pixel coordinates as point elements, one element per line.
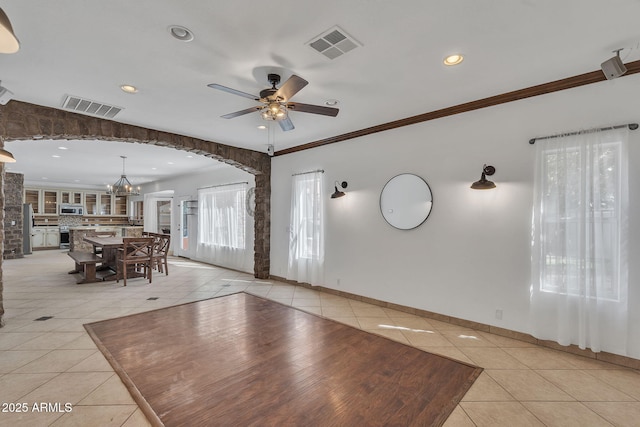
<point>579,247</point>
<point>306,236</point>
<point>222,225</point>
<point>150,212</point>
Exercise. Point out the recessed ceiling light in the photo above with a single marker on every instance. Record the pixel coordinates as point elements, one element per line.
<point>62,148</point>
<point>189,157</point>
<point>169,163</point>
<point>331,102</point>
<point>153,169</point>
<point>56,156</point>
<point>181,33</point>
<point>262,127</point>
<point>454,59</point>
<point>129,89</point>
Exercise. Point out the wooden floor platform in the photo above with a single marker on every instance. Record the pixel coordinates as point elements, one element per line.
<point>244,360</point>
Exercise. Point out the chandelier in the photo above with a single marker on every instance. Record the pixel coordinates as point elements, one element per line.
<point>274,111</point>
<point>123,187</point>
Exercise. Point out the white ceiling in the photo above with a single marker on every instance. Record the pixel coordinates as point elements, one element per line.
<point>90,48</point>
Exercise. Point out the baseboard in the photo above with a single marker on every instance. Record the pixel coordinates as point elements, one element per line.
<point>625,361</point>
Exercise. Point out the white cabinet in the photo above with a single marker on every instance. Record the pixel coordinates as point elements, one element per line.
<point>73,197</point>
<point>45,237</point>
<point>52,238</point>
<point>37,237</point>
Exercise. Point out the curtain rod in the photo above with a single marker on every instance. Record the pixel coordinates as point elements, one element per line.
<point>223,185</point>
<point>304,173</point>
<point>632,126</point>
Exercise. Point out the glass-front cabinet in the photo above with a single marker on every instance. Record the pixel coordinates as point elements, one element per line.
<point>32,197</point>
<point>91,204</point>
<point>46,201</point>
<point>120,205</point>
<point>105,204</point>
<point>50,198</point>
<point>73,197</point>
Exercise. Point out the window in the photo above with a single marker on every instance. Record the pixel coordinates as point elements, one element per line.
<point>221,216</point>
<point>581,214</point>
<point>306,239</point>
<point>579,269</point>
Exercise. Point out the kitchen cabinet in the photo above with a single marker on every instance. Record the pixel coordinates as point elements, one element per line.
<point>120,205</point>
<point>105,204</point>
<point>32,197</point>
<point>45,237</point>
<point>47,201</point>
<point>50,199</point>
<point>37,238</point>
<point>73,197</point>
<point>91,203</point>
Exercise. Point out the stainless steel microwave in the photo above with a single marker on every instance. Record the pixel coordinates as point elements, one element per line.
<point>66,209</point>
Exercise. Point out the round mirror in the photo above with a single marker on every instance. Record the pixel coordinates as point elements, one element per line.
<point>405,201</point>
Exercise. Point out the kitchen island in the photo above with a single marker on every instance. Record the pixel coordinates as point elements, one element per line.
<point>77,235</point>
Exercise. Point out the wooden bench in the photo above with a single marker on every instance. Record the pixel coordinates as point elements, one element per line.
<point>85,264</point>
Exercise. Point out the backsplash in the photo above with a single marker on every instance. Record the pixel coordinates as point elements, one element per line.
<point>70,220</point>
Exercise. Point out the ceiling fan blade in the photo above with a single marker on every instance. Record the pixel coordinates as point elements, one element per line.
<point>292,86</point>
<point>242,112</point>
<point>315,109</point>
<point>286,124</point>
<point>233,91</point>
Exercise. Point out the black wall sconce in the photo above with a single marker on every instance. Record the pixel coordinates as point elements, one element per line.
<point>339,193</point>
<point>484,183</point>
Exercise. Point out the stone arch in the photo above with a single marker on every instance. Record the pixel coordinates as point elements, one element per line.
<point>23,121</point>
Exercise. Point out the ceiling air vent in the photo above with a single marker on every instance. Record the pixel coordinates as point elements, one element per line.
<point>86,106</point>
<point>333,43</point>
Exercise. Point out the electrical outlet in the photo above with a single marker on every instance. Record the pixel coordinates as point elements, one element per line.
<point>499,314</point>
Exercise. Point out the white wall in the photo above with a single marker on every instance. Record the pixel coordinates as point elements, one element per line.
<point>188,185</point>
<point>471,256</point>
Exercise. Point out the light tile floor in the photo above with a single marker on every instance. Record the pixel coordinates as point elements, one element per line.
<point>54,362</point>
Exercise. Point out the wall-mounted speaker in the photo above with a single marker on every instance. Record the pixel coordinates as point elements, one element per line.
<point>270,149</point>
<point>613,68</point>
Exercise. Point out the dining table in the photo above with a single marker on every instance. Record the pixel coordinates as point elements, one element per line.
<point>109,246</point>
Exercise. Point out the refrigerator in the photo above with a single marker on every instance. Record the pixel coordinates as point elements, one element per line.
<point>27,228</point>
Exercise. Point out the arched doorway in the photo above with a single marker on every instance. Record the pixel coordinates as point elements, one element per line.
<point>23,121</point>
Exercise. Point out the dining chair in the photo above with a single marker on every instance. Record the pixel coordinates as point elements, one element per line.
<point>136,255</point>
<point>160,252</point>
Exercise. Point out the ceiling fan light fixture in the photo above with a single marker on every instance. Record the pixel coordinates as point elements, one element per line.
<point>274,111</point>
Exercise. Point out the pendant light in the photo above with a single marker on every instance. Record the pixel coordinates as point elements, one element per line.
<point>123,187</point>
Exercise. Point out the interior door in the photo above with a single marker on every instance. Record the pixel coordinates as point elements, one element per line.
<point>187,227</point>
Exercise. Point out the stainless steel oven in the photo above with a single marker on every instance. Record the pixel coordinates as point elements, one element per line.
<point>64,237</point>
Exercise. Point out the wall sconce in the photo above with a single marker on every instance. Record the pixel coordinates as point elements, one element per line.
<point>8,40</point>
<point>339,193</point>
<point>484,183</point>
<point>5,156</point>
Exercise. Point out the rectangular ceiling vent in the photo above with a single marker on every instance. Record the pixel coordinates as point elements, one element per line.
<point>86,106</point>
<point>333,43</point>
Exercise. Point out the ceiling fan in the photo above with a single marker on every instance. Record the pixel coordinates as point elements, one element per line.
<point>275,102</point>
